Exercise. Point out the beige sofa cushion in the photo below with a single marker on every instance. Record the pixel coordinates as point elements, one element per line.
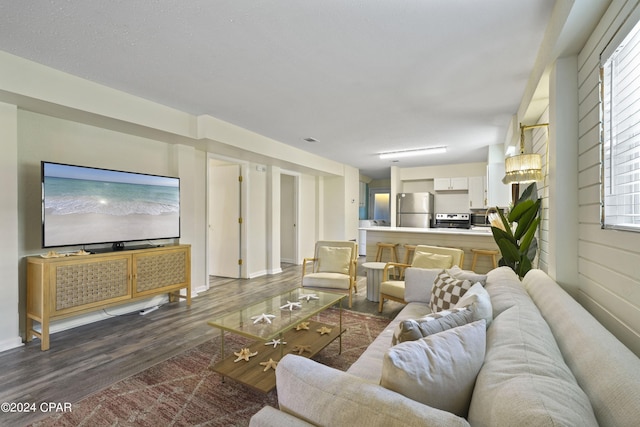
<point>432,323</point>
<point>418,283</point>
<point>607,371</point>
<point>324,396</point>
<point>334,259</point>
<point>479,302</point>
<point>505,290</point>
<point>326,280</point>
<point>429,260</point>
<point>369,364</point>
<point>439,370</point>
<point>524,380</point>
<point>269,416</point>
<point>469,275</point>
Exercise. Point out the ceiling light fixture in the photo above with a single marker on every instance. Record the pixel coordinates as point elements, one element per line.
<point>523,167</point>
<point>412,153</point>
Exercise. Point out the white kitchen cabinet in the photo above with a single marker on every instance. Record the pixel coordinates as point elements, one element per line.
<point>498,193</point>
<point>477,192</point>
<point>451,184</point>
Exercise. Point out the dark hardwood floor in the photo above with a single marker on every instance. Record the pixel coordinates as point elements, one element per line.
<point>88,358</point>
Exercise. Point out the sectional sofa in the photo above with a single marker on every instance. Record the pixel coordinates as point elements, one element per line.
<point>545,361</point>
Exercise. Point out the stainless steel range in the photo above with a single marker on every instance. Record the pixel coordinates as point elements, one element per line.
<point>453,220</point>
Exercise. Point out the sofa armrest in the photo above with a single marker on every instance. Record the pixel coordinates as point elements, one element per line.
<point>324,396</point>
<point>396,266</point>
<point>304,264</point>
<point>271,417</point>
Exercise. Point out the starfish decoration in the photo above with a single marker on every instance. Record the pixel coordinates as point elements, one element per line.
<point>290,306</point>
<point>269,364</point>
<point>303,325</point>
<point>263,318</point>
<point>309,297</point>
<point>324,330</point>
<point>244,354</point>
<point>302,348</point>
<point>275,342</point>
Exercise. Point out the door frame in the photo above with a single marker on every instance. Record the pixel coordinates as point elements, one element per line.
<point>244,166</point>
<point>296,212</point>
<point>372,196</point>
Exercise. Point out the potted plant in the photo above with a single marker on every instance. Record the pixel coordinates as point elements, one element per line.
<point>515,233</point>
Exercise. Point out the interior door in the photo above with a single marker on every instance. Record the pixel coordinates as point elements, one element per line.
<point>224,219</point>
<point>288,221</point>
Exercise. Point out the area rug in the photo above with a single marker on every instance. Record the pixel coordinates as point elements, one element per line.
<point>182,391</point>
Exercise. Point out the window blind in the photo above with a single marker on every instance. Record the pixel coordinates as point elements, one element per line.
<point>620,80</point>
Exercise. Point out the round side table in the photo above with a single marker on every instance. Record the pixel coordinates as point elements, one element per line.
<point>374,277</point>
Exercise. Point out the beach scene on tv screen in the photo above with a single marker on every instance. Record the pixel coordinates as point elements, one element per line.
<point>85,205</point>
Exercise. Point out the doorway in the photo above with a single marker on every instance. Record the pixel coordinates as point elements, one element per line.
<point>380,204</point>
<point>288,218</point>
<point>224,219</point>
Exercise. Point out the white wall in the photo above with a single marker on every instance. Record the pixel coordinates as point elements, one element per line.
<point>351,210</point>
<point>333,227</point>
<point>256,224</point>
<point>9,226</point>
<point>608,260</point>
<point>42,137</point>
<point>308,216</point>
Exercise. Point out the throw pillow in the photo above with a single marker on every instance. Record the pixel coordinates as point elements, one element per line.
<point>432,323</point>
<point>469,275</point>
<point>418,283</point>
<point>439,370</point>
<point>333,259</point>
<point>447,291</point>
<point>477,299</point>
<point>429,260</point>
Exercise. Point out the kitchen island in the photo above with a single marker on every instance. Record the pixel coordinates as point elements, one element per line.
<point>465,239</point>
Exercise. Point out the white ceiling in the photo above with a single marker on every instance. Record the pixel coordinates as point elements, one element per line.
<point>360,77</point>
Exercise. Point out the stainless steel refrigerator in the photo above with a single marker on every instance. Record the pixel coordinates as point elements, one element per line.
<point>414,210</point>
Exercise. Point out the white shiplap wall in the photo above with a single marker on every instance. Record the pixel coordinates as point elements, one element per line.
<point>539,144</point>
<point>608,261</point>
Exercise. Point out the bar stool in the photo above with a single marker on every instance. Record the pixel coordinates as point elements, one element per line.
<point>484,252</point>
<point>393,248</point>
<point>409,250</point>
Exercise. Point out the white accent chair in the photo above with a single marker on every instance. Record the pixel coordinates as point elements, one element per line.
<point>333,267</point>
<point>424,257</point>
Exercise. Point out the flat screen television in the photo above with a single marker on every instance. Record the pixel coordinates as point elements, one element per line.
<point>84,205</point>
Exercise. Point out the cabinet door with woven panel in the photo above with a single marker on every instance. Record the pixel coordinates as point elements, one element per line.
<point>163,270</point>
<point>84,284</point>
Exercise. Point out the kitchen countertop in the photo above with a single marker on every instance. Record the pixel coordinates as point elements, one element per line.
<point>473,231</point>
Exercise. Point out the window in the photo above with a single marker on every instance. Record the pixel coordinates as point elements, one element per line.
<point>620,91</point>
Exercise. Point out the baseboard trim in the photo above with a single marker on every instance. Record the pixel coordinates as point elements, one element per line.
<point>9,344</point>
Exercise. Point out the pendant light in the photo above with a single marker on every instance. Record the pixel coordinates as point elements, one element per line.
<point>523,168</point>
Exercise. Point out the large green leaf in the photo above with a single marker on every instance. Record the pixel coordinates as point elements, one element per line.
<point>529,235</point>
<point>501,234</point>
<point>524,266</point>
<point>526,220</point>
<point>529,193</point>
<point>519,210</point>
<point>533,249</point>
<point>509,251</point>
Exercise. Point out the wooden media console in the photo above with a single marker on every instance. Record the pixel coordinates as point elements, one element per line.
<point>71,285</point>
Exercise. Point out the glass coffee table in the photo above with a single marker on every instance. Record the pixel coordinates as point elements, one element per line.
<point>280,325</point>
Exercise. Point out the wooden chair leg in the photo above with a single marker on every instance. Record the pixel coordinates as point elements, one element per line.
<point>473,261</point>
